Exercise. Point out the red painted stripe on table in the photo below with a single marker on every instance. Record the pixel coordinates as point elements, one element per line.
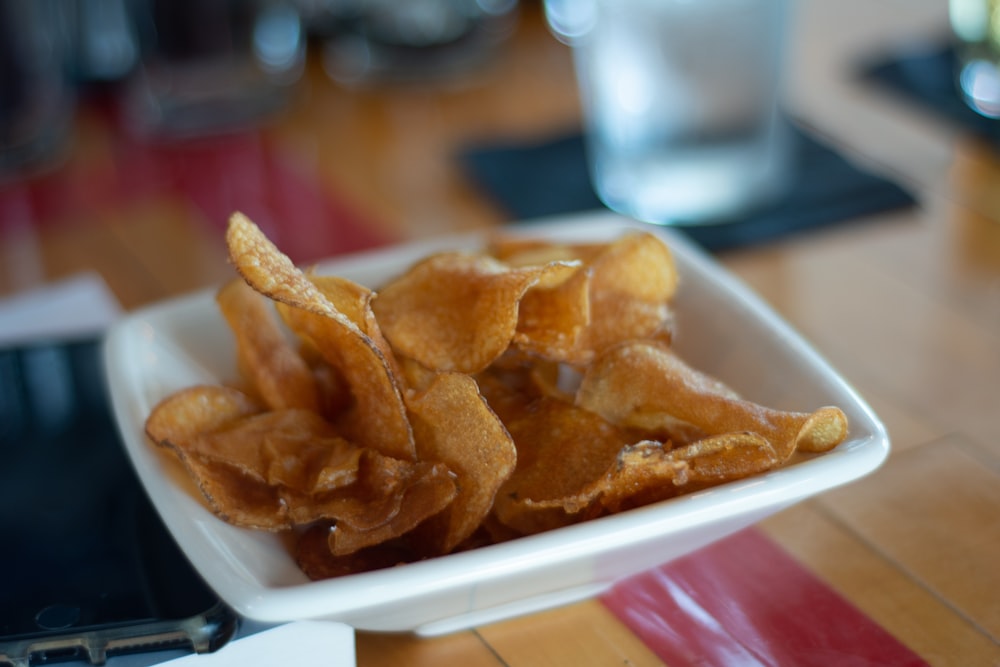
<point>743,601</point>
<point>306,217</point>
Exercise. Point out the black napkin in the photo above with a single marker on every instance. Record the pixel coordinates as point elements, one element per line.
<point>548,178</point>
<point>926,75</point>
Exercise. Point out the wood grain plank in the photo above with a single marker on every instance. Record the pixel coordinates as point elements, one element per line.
<point>393,650</point>
<point>585,633</point>
<point>934,510</point>
<point>875,584</point>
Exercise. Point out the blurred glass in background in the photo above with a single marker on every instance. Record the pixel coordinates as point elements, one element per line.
<point>104,46</point>
<point>37,98</point>
<point>680,103</point>
<point>176,69</point>
<point>210,66</point>
<point>391,41</point>
<point>976,24</point>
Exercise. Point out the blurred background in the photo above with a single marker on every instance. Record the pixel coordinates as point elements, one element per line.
<point>149,112</point>
<point>335,124</point>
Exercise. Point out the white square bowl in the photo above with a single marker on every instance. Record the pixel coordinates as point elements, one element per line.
<point>723,329</point>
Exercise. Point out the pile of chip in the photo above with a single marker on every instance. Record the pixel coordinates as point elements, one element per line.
<point>475,398</point>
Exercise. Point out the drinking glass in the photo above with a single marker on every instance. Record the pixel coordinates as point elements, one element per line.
<point>680,103</point>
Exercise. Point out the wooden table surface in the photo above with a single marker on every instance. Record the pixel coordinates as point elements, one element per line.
<point>905,304</point>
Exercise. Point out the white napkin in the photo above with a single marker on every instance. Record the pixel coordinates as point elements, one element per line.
<point>77,306</point>
<point>302,643</point>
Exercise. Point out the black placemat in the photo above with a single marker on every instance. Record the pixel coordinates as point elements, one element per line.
<point>926,75</point>
<point>549,178</point>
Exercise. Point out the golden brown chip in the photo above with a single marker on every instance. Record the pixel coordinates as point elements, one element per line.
<point>377,417</point>
<point>648,472</point>
<point>237,498</point>
<point>313,555</point>
<point>265,356</point>
<point>454,311</point>
<point>552,317</point>
<point>296,449</point>
<point>409,494</point>
<point>647,386</point>
<point>634,279</point>
<point>354,301</point>
<point>630,282</point>
<point>528,251</point>
<point>561,449</point>
<point>645,473</point>
<point>195,410</point>
<point>453,424</point>
<point>278,469</point>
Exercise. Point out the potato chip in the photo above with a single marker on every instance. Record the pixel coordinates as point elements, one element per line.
<point>277,469</point>
<point>646,385</point>
<point>633,280</point>
<point>454,311</point>
<point>377,417</point>
<point>411,492</point>
<point>529,251</point>
<point>275,370</point>
<point>630,282</point>
<point>553,316</point>
<point>561,449</point>
<point>454,425</point>
<point>647,472</point>
<point>314,558</point>
<point>294,448</point>
<point>237,498</point>
<point>355,301</point>
<point>195,410</point>
<point>234,497</point>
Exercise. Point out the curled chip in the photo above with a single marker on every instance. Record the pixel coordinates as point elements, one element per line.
<point>634,279</point>
<point>377,417</point>
<point>553,315</point>
<point>396,497</point>
<point>622,291</point>
<point>644,473</point>
<point>275,370</point>
<point>561,450</point>
<point>455,311</point>
<point>646,385</point>
<point>198,409</point>
<point>453,424</point>
<point>279,469</point>
<point>475,398</point>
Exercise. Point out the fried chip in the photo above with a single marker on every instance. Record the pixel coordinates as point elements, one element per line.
<point>645,473</point>
<point>277,469</point>
<point>634,279</point>
<point>454,311</point>
<point>395,500</point>
<point>454,425</point>
<point>561,449</point>
<point>314,558</point>
<point>377,417</point>
<point>195,410</point>
<point>553,316</point>
<point>646,385</point>
<point>629,284</point>
<point>237,498</point>
<point>293,448</point>
<point>275,370</point>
